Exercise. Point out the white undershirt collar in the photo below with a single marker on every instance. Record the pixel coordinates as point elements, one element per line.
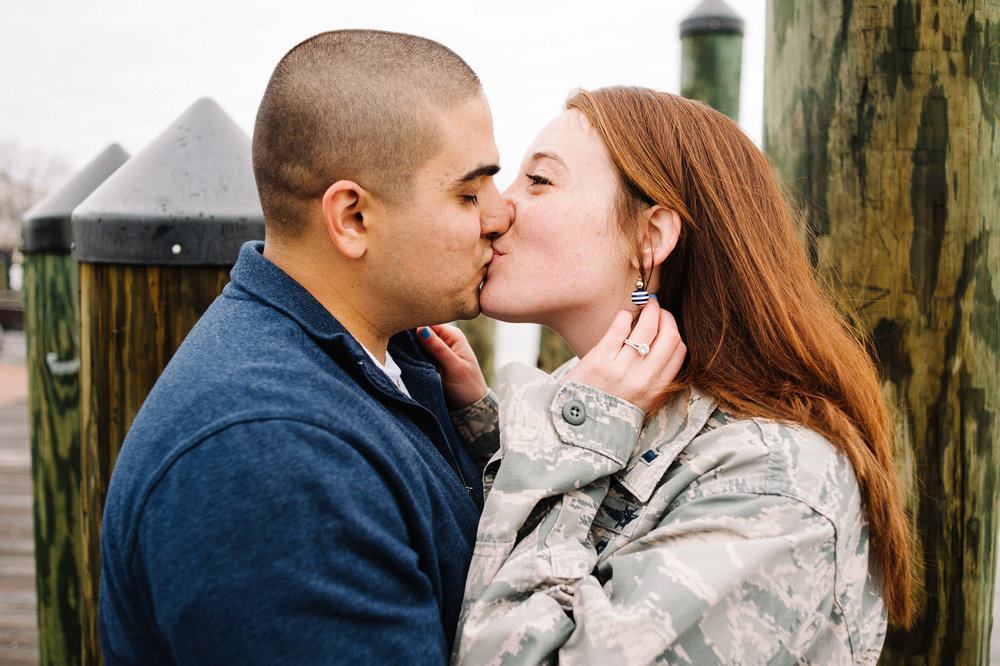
<point>391,370</point>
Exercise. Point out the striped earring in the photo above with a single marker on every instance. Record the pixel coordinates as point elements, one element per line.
<point>640,296</point>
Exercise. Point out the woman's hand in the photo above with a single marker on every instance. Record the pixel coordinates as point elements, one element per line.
<point>461,378</point>
<point>622,370</point>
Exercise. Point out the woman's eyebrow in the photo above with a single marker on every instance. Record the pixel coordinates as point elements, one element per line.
<point>546,155</point>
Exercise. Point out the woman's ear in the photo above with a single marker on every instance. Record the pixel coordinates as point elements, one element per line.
<point>345,205</point>
<point>663,228</point>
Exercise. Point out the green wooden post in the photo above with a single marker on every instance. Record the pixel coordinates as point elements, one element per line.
<point>5,263</point>
<point>552,350</point>
<point>481,333</point>
<point>155,244</point>
<point>52,335</point>
<point>886,117</point>
<point>711,56</point>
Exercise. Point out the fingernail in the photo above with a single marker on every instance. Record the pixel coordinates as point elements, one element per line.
<point>653,296</point>
<point>425,332</point>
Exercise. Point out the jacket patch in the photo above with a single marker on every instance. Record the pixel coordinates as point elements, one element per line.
<point>618,515</point>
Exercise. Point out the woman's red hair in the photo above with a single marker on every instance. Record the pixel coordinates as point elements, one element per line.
<point>763,336</point>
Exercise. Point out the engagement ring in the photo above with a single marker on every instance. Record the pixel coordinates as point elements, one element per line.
<point>642,349</point>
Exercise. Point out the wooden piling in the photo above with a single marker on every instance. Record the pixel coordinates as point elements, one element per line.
<point>133,319</point>
<point>481,333</point>
<point>155,244</point>
<point>884,116</point>
<point>712,56</point>
<point>52,339</point>
<point>51,324</point>
<point>552,350</point>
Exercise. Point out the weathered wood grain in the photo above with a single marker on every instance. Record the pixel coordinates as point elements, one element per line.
<point>132,319</point>
<point>18,612</point>
<point>884,117</point>
<point>52,338</point>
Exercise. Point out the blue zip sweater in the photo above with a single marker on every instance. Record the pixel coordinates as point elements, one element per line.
<point>278,500</point>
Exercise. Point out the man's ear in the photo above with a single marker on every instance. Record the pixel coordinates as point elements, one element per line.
<point>345,206</point>
<point>663,228</point>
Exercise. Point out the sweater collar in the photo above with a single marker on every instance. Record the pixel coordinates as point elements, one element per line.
<point>255,275</point>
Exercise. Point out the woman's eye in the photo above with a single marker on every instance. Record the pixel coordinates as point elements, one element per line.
<point>538,180</point>
<point>471,199</point>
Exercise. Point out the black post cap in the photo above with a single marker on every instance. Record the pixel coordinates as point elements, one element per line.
<point>187,199</point>
<point>45,227</point>
<point>712,16</point>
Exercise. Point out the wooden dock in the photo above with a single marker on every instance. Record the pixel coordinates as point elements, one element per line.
<point>18,621</point>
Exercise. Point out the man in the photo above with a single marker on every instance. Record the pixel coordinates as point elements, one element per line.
<point>292,490</point>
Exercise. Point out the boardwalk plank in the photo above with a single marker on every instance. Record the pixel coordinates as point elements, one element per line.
<point>18,611</point>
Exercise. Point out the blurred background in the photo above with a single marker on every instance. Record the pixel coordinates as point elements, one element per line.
<point>78,76</point>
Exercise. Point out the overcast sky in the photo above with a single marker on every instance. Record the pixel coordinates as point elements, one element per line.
<point>78,76</point>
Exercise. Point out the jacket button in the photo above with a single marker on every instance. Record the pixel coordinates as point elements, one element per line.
<point>574,412</point>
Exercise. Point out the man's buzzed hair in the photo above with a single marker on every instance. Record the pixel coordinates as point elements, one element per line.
<point>352,105</point>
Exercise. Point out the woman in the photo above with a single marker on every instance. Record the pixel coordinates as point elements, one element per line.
<point>731,501</point>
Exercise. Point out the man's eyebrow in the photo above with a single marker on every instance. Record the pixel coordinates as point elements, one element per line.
<point>479,172</point>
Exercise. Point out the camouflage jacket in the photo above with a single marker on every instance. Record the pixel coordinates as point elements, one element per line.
<point>699,538</point>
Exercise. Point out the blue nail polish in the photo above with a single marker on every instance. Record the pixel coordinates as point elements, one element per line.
<point>653,296</point>
<point>425,332</point>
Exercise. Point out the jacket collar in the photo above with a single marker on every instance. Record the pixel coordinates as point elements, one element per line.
<point>257,277</point>
<point>254,276</point>
<point>666,434</point>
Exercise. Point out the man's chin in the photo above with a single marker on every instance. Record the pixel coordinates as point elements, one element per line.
<point>457,310</point>
<point>469,311</point>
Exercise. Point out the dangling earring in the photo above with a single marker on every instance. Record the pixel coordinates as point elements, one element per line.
<point>640,296</point>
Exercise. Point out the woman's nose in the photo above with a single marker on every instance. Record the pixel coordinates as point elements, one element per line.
<point>497,221</point>
<point>511,210</point>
